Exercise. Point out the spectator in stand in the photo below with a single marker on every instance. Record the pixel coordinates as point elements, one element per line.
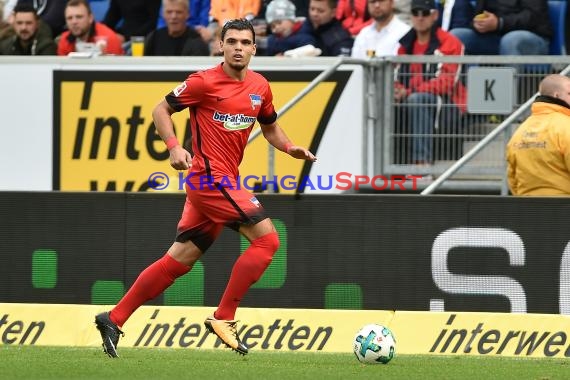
<point>51,12</point>
<point>382,37</point>
<point>27,39</point>
<point>352,15</point>
<point>45,31</point>
<point>332,39</point>
<point>132,17</point>
<point>508,27</point>
<point>422,88</point>
<point>224,10</point>
<point>456,14</point>
<point>199,14</point>
<point>538,154</point>
<point>83,30</point>
<point>285,28</point>
<point>177,38</point>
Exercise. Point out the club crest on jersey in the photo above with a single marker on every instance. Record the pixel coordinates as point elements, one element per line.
<point>179,89</point>
<point>255,100</point>
<point>255,202</point>
<point>234,122</point>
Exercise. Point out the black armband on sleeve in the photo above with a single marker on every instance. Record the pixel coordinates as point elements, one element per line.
<point>267,119</point>
<point>173,102</point>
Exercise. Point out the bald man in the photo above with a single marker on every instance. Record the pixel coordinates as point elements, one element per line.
<point>538,154</point>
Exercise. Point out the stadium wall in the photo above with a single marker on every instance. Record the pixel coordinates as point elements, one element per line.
<point>308,330</point>
<point>354,252</point>
<point>89,122</point>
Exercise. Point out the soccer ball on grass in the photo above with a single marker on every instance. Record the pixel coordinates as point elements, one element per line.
<point>374,344</point>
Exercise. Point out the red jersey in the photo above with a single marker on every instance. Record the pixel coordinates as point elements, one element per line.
<point>222,114</point>
<point>438,79</point>
<point>113,45</point>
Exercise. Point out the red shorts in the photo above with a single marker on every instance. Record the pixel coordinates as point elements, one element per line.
<point>207,211</point>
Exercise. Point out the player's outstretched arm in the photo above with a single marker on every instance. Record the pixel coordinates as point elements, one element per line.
<point>180,158</point>
<point>277,137</point>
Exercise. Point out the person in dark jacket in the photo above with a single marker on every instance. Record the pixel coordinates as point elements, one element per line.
<point>27,40</point>
<point>50,11</point>
<point>507,27</point>
<point>177,38</point>
<point>132,17</point>
<point>285,28</point>
<point>331,37</point>
<point>456,14</point>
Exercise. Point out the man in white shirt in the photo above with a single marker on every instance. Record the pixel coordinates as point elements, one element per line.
<point>381,37</point>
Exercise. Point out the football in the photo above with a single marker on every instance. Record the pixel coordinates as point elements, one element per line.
<point>374,344</point>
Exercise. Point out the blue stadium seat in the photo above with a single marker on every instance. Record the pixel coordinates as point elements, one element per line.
<point>557,13</point>
<point>99,8</point>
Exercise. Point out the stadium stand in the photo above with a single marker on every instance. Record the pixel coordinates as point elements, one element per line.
<point>557,12</point>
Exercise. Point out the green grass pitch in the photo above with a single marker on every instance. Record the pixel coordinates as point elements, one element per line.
<point>32,362</point>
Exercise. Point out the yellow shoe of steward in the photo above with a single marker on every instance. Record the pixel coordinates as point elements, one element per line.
<point>227,332</point>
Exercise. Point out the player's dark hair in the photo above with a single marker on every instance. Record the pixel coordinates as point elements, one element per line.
<point>238,24</point>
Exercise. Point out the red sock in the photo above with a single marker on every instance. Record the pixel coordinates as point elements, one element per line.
<point>151,282</point>
<point>246,271</point>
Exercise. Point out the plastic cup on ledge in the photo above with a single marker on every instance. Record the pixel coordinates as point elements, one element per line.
<point>137,46</point>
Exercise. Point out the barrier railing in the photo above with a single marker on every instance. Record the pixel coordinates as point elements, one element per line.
<point>466,147</point>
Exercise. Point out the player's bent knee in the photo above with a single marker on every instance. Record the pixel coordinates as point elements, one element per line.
<point>265,247</point>
<point>269,241</point>
<point>186,253</point>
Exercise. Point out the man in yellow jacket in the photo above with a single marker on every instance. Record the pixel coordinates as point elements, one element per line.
<point>538,154</point>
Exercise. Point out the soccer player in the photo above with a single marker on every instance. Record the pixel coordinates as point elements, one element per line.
<point>224,103</point>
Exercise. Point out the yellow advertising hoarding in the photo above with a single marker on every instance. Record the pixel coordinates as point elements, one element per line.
<point>182,327</point>
<point>314,330</point>
<point>104,136</point>
<point>493,334</point>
